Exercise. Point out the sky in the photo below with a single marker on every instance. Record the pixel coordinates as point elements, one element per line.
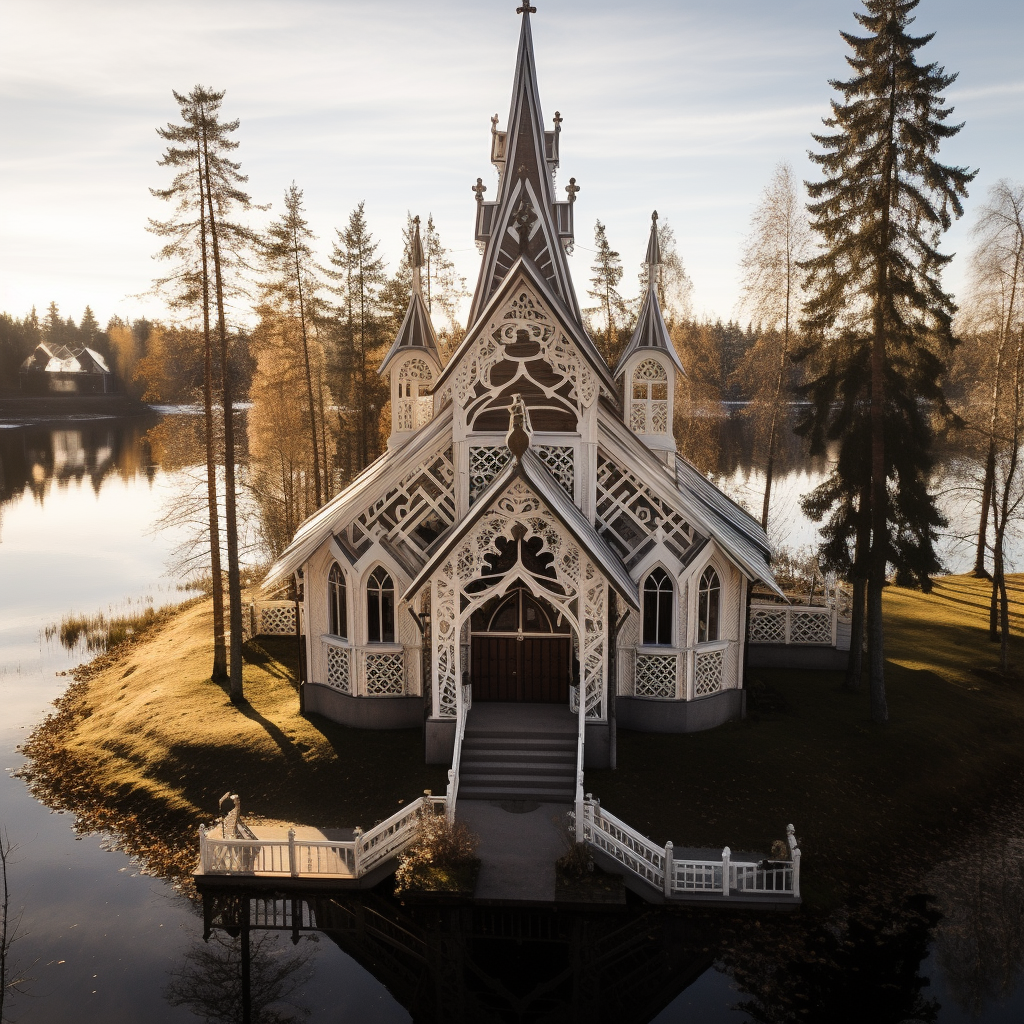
<point>681,106</point>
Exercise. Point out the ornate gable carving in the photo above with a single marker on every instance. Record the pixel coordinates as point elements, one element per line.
<point>523,350</point>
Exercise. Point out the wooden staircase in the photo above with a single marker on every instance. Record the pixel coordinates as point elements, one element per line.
<point>519,752</point>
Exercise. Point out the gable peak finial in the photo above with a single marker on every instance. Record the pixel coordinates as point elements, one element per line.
<point>526,9</point>
<point>416,258</point>
<point>518,439</point>
<point>653,257</point>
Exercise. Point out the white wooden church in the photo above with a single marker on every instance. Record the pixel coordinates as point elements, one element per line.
<point>531,536</point>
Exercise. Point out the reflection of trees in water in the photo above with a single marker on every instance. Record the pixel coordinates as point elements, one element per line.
<point>242,978</point>
<point>34,457</point>
<point>980,940</point>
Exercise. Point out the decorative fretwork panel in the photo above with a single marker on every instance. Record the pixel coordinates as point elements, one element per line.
<point>628,513</point>
<point>485,463</point>
<point>811,627</point>
<point>419,509</point>
<point>655,675</point>
<point>338,668</point>
<point>708,671</point>
<point>275,618</point>
<point>768,627</point>
<point>560,460</point>
<point>385,674</point>
<point>415,407</point>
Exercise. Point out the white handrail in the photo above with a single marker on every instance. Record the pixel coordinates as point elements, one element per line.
<point>350,858</point>
<point>465,704</point>
<point>580,740</point>
<point>675,877</point>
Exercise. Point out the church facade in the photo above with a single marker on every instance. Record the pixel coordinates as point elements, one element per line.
<point>531,535</point>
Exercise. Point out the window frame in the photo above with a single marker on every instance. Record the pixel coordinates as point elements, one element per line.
<point>337,613</point>
<point>379,584</point>
<point>706,586</point>
<point>663,593</point>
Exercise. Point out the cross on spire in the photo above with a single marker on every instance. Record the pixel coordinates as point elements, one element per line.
<point>526,9</point>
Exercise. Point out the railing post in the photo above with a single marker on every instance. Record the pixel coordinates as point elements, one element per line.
<point>449,797</point>
<point>669,870</point>
<point>203,866</point>
<point>293,867</point>
<point>357,835</point>
<point>726,855</point>
<point>794,853</point>
<point>789,625</point>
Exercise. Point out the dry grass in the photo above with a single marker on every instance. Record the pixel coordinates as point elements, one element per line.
<point>145,742</point>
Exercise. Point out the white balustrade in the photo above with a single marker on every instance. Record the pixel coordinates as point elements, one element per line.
<point>800,625</point>
<point>655,674</point>
<point>300,858</point>
<point>708,669</point>
<point>676,877</point>
<point>462,710</point>
<point>273,618</point>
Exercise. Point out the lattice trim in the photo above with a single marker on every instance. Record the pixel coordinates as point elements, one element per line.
<point>656,675</point>
<point>767,627</point>
<point>485,463</point>
<point>275,620</point>
<point>628,513</point>
<point>385,674</point>
<point>811,627</point>
<point>650,369</point>
<point>338,668</point>
<point>420,508</point>
<point>560,459</point>
<point>708,670</point>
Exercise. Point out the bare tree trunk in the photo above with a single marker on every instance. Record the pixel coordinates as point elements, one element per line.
<point>855,666</point>
<point>309,375</point>
<point>230,514</point>
<point>220,657</point>
<point>986,497</point>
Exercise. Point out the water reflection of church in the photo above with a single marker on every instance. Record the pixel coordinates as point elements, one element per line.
<point>476,963</point>
<point>564,555</point>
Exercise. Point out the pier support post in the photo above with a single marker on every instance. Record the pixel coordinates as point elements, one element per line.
<point>293,866</point>
<point>668,868</point>
<point>726,855</point>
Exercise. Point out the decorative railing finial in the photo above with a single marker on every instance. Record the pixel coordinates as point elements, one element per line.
<point>572,188</point>
<point>479,188</point>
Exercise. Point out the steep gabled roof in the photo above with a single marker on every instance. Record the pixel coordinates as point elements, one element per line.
<point>537,475</point>
<point>524,267</point>
<point>650,334</point>
<point>523,219</point>
<point>417,332</point>
<point>736,532</point>
<point>385,471</point>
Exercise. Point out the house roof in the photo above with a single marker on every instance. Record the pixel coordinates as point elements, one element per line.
<point>530,468</point>
<point>386,470</point>
<point>650,333</point>
<point>736,532</point>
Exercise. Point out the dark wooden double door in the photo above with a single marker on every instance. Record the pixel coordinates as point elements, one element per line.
<point>520,652</point>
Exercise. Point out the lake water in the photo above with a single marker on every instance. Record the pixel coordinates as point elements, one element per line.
<point>97,941</point>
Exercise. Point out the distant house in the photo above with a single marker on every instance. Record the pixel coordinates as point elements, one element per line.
<point>59,370</point>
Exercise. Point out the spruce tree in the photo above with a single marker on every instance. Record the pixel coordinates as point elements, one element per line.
<point>875,295</point>
<point>607,273</point>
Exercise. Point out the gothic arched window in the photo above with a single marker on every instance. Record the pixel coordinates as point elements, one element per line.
<point>337,602</point>
<point>709,601</point>
<point>658,595</point>
<point>648,408</point>
<point>380,607</point>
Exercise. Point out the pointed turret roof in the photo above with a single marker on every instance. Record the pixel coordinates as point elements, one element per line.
<point>417,332</point>
<point>524,218</point>
<point>650,332</point>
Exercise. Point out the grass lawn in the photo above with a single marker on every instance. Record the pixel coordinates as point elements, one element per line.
<point>861,796</point>
<point>144,743</point>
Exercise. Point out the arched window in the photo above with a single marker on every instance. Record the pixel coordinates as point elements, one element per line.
<point>709,601</point>
<point>337,602</point>
<point>658,608</point>
<point>380,607</point>
<point>648,409</point>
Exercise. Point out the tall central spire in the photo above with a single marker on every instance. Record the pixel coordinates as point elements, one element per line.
<point>525,219</point>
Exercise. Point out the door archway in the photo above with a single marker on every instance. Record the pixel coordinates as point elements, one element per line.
<point>521,651</point>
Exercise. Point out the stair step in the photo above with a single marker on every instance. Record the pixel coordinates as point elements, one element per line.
<point>512,782</point>
<point>515,793</point>
<point>505,768</point>
<point>565,736</point>
<point>529,756</point>
<point>514,742</point>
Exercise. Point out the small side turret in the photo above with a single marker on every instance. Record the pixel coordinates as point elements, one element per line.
<point>414,360</point>
<point>650,365</point>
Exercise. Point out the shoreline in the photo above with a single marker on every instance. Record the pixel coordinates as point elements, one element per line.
<point>30,409</point>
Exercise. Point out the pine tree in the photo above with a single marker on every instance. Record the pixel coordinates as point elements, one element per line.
<point>361,276</point>
<point>607,273</point>
<point>875,295</point>
<point>89,328</point>
<point>292,282</point>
